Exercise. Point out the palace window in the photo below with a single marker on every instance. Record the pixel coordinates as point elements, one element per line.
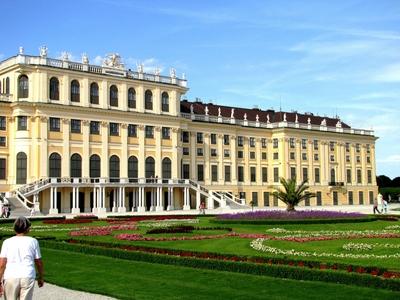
<point>368,146</point>
<point>23,86</point>
<point>227,173</point>
<point>133,169</point>
<point>94,166</point>
<point>319,198</point>
<point>276,155</point>
<point>213,138</point>
<point>213,152</point>
<point>275,143</point>
<point>165,102</point>
<point>226,153</point>
<point>113,168</point>
<point>264,174</point>
<point>199,151</point>
<point>316,175</point>
<point>75,91</point>
<point>200,138</point>
<point>240,154</point>
<point>316,146</point>
<point>292,143</point>
<point>304,144</point>
<point>114,129</point>
<point>266,198</point>
<point>253,174</point>
<point>76,166</point>
<point>358,159</point>
<point>333,175</point>
<point>200,172</point>
<point>347,146</point>
<point>361,197</point>
<point>22,123</point>
<point>292,156</point>
<point>252,142</point>
<point>305,174</point>
<point>214,173</point>
<point>150,167</point>
<point>166,168</point>
<point>131,98</point>
<point>240,173</point>
<point>54,124</point>
<point>316,157</point>
<point>54,89</point>
<point>75,126</point>
<point>252,155</point>
<point>149,132</point>
<point>276,174</point>
<point>166,133</point>
<point>21,168</point>
<point>94,127</point>
<point>94,93</point>
<point>3,168</point>
<point>348,158</point>
<point>264,155</point>
<point>304,156</point>
<point>293,173</point>
<point>3,141</point>
<point>186,171</point>
<point>54,165</point>
<point>350,197</point>
<point>3,123</point>
<point>264,143</point>
<point>114,96</point>
<point>148,100</point>
<point>132,130</point>
<point>240,141</point>
<point>185,136</point>
<point>368,159</point>
<point>369,176</point>
<point>332,157</point>
<point>358,148</point>
<point>7,85</point>
<point>185,150</point>
<point>332,146</point>
<point>348,176</point>
<point>226,139</point>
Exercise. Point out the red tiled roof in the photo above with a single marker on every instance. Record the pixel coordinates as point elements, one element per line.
<point>274,116</point>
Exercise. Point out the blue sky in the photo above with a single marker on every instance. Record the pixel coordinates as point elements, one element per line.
<point>326,57</point>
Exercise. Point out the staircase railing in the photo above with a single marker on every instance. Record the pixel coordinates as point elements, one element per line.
<point>24,201</point>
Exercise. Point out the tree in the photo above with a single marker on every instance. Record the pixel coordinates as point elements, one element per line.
<point>383,181</point>
<point>396,182</point>
<point>292,194</point>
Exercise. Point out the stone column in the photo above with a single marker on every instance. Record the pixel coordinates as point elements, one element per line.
<point>186,199</point>
<point>198,199</point>
<point>94,209</point>
<point>170,195</point>
<point>159,206</point>
<point>115,199</point>
<point>141,207</point>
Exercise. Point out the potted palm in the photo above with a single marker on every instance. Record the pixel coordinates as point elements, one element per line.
<point>291,194</point>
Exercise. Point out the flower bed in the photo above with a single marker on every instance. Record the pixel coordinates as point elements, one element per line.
<point>183,229</point>
<point>102,230</point>
<point>285,215</point>
<point>68,221</point>
<point>146,218</point>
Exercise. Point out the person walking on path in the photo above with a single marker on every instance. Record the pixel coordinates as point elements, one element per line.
<point>18,257</point>
<point>376,206</point>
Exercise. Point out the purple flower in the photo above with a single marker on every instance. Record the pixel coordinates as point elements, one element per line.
<point>295,215</point>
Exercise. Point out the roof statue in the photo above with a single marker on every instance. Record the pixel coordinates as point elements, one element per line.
<point>268,118</point>
<point>113,60</point>
<point>245,117</point>
<point>21,51</point>
<point>309,121</point>
<point>232,113</point>
<point>172,72</point>
<point>157,71</point>
<point>219,111</point>
<point>297,119</point>
<point>85,59</point>
<point>139,68</point>
<point>183,76</point>
<point>65,56</point>
<point>191,109</point>
<point>284,117</point>
<point>206,110</point>
<point>257,118</point>
<point>339,124</point>
<point>43,51</point>
<point>323,122</point>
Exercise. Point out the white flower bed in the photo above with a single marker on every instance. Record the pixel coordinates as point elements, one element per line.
<point>167,223</point>
<point>357,246</point>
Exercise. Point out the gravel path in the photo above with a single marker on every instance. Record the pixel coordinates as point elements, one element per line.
<point>54,292</point>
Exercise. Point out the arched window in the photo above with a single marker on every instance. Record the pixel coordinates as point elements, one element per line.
<point>150,167</point>
<point>165,102</point>
<point>148,100</point>
<point>133,167</point>
<point>7,85</point>
<point>21,168</point>
<point>76,165</point>
<point>166,168</point>
<point>113,96</point>
<point>333,176</point>
<point>55,165</point>
<point>23,86</point>
<point>94,166</point>
<point>94,93</point>
<point>54,89</point>
<point>75,91</point>
<point>114,168</point>
<point>131,98</point>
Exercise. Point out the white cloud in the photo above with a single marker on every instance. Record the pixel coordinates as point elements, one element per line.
<point>98,60</point>
<point>149,64</point>
<point>395,158</point>
<point>390,73</point>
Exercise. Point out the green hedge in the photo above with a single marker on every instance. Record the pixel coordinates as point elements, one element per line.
<point>280,271</point>
<point>301,221</point>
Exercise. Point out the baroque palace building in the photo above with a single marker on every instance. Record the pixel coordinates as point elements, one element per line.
<point>76,137</point>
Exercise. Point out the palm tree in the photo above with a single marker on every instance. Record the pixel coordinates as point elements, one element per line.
<point>292,194</point>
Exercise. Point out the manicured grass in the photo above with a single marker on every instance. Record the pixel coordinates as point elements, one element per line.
<point>136,280</point>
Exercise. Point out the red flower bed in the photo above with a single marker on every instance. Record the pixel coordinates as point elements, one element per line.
<point>328,238</point>
<point>146,218</point>
<point>102,230</point>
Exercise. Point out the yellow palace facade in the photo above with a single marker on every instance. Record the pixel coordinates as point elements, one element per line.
<point>77,137</point>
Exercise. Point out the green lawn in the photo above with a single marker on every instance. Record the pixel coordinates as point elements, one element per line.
<point>136,280</point>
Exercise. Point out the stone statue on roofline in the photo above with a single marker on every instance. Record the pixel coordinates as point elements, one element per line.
<point>257,118</point>
<point>284,117</point>
<point>65,56</point>
<point>172,73</point>
<point>268,118</point>
<point>232,113</point>
<point>191,109</point>
<point>339,124</point>
<point>85,59</point>
<point>113,60</point>
<point>245,117</point>
<point>21,51</point>
<point>219,111</point>
<point>206,110</point>
<point>297,119</point>
<point>157,71</point>
<point>43,51</point>
<point>309,121</point>
<point>140,68</point>
<point>323,122</point>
